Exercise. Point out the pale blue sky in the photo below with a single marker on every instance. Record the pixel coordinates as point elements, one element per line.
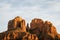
<point>29,9</point>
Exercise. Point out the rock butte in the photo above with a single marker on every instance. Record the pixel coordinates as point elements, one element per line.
<point>38,30</point>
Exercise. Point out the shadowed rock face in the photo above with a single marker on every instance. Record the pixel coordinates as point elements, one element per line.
<point>38,30</point>
<point>44,30</point>
<point>37,23</point>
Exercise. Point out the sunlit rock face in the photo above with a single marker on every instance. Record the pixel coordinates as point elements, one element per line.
<point>17,31</point>
<point>50,29</point>
<point>38,30</point>
<point>19,35</point>
<point>17,22</point>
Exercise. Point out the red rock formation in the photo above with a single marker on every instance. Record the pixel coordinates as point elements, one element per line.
<point>50,29</point>
<point>39,30</point>
<point>18,35</point>
<point>17,22</point>
<point>37,23</point>
<point>17,31</point>
<point>43,29</point>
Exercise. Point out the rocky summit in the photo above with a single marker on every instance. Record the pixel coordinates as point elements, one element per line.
<point>38,30</point>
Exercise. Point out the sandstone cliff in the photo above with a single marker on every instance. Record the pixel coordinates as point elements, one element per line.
<point>45,30</point>
<point>38,30</point>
